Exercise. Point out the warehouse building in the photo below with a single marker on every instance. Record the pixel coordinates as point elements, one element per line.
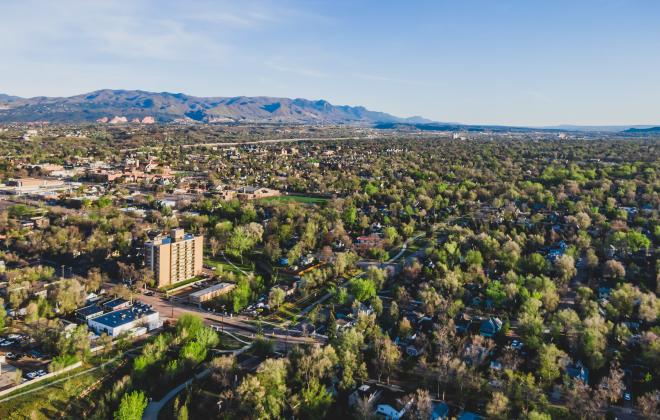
<point>124,320</point>
<point>210,292</point>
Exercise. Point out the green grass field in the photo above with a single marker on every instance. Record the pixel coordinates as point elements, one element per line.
<point>51,402</point>
<point>302,199</point>
<point>181,283</point>
<point>222,266</point>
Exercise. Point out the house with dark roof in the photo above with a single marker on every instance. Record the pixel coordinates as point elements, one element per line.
<point>578,370</point>
<point>440,411</point>
<point>490,327</point>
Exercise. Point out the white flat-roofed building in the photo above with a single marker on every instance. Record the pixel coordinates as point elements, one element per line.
<point>124,320</point>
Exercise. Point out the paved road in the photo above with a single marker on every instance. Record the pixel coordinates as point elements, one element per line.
<point>154,407</point>
<point>404,247</point>
<point>236,324</point>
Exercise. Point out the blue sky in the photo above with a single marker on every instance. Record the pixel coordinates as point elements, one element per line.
<point>526,62</point>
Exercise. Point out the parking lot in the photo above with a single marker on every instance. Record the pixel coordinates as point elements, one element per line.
<point>18,355</point>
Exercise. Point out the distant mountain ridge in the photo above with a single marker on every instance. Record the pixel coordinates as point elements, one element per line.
<point>648,130</point>
<point>168,107</point>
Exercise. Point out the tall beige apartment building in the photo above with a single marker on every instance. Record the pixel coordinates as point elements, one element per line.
<point>176,257</point>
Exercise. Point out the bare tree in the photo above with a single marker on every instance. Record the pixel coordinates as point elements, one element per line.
<point>363,409</point>
<point>649,405</point>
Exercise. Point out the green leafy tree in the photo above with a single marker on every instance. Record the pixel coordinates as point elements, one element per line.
<point>276,297</point>
<point>551,361</point>
<point>132,406</point>
<point>263,395</point>
<point>362,289</point>
<point>314,400</point>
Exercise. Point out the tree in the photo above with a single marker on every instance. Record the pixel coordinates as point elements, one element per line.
<point>3,315</point>
<point>551,361</point>
<point>649,405</point>
<point>132,406</point>
<point>591,258</point>
<point>222,368</point>
<point>649,307</point>
<point>69,295</point>
<point>581,402</point>
<point>263,395</point>
<point>316,363</point>
<point>565,268</point>
<point>215,246</point>
<point>377,276</point>
<point>614,269</point>
<point>94,280</point>
<point>182,412</point>
<point>362,289</point>
<point>349,216</point>
<point>105,341</point>
<point>535,264</point>
<point>594,340</point>
<point>314,400</point>
<point>611,387</point>
<point>387,356</point>
<point>624,298</point>
<point>474,258</point>
<point>536,415</point>
<point>188,326</point>
<point>349,348</point>
<point>363,409</point>
<point>430,298</point>
<point>498,406</point>
<point>531,323</point>
<point>276,297</point>
<point>422,406</point>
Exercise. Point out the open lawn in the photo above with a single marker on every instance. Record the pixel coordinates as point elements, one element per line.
<point>221,266</point>
<point>302,199</point>
<point>179,284</point>
<point>52,401</point>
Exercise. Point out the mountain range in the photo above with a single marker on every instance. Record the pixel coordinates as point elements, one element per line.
<point>168,107</point>
<point>119,106</point>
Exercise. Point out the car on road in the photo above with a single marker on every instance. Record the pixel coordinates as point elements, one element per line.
<point>149,293</point>
<point>516,344</point>
<point>627,396</point>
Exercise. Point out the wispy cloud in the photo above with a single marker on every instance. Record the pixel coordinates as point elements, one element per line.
<point>387,79</point>
<point>297,70</point>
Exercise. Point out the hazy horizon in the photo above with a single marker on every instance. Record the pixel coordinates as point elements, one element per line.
<point>503,63</point>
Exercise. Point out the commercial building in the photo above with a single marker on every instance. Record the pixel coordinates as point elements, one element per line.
<point>175,258</point>
<point>116,304</point>
<point>124,320</point>
<point>210,292</point>
<point>255,193</point>
<point>36,186</point>
<point>89,312</point>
